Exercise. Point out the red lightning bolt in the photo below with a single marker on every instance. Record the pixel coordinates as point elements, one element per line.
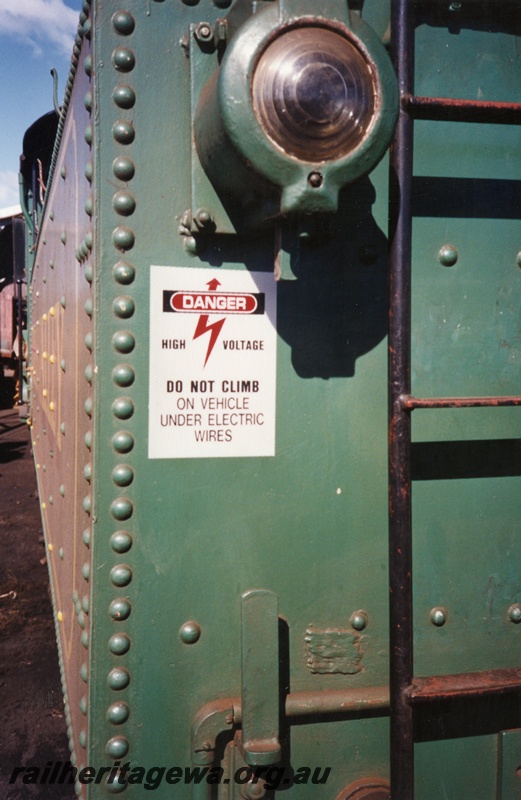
<point>214,328</point>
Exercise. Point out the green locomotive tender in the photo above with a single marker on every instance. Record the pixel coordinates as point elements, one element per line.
<point>234,468</point>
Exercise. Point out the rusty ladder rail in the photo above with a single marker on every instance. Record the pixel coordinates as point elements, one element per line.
<point>404,688</point>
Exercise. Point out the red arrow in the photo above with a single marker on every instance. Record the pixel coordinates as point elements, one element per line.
<point>213,284</point>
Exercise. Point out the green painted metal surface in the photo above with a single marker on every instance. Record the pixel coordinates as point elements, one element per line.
<point>150,557</point>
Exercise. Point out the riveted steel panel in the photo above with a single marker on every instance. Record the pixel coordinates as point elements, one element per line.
<point>150,557</point>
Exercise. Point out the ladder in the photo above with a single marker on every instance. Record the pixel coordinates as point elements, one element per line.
<point>406,690</point>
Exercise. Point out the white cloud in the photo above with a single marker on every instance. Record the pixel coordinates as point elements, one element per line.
<point>9,195</point>
<point>39,23</point>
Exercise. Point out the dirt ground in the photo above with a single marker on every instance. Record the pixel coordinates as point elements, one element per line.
<point>32,718</point>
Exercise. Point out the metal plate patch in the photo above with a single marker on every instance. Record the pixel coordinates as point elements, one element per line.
<point>333,650</point>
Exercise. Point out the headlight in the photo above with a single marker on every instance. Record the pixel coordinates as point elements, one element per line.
<point>313,94</point>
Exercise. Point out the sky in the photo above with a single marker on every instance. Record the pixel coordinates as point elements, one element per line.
<point>35,35</point>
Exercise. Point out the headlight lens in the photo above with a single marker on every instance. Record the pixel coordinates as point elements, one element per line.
<point>313,94</point>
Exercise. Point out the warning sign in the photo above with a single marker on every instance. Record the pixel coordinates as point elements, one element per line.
<point>212,363</point>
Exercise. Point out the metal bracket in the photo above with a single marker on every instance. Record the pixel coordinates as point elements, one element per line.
<point>260,678</point>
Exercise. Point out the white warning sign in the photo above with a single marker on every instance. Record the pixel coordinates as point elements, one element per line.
<point>213,347</point>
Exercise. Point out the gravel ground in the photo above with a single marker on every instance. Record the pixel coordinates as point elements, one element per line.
<point>32,718</point>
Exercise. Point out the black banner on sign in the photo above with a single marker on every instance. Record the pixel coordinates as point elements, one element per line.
<point>189,302</point>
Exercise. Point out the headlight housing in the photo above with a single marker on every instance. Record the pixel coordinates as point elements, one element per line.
<point>299,107</point>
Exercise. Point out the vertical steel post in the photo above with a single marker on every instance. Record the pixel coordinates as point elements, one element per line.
<point>400,538</point>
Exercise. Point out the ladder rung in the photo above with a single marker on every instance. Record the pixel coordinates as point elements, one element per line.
<point>409,403</point>
<point>464,684</point>
<point>455,110</point>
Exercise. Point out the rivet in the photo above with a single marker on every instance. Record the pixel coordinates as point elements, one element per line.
<point>190,632</point>
<point>123,408</point>
<point>63,172</point>
<point>123,132</point>
<point>124,96</point>
<point>190,245</point>
<point>88,307</point>
<point>83,705</point>
<point>87,28</point>
<point>84,638</point>
<point>88,440</point>
<point>89,205</point>
<point>59,616</point>
<point>52,405</point>
<point>81,619</point>
<point>52,359</point>
<point>121,541</point>
<point>122,475</point>
<point>89,373</point>
<point>89,171</point>
<point>50,500</point>
<point>315,180</point>
<point>117,747</point>
<point>88,101</point>
<point>88,341</point>
<point>123,22</point>
<point>86,537</point>
<point>87,65</point>
<point>120,609</point>
<point>121,575</point>
<point>118,713</point>
<point>62,428</point>
<point>85,604</point>
<point>60,553</point>
<point>87,505</point>
<point>119,644</point>
<point>518,259</point>
<point>123,168</point>
<point>124,203</point>
<point>84,673</point>
<point>123,307</point>
<point>123,59</point>
<point>123,342</point>
<point>89,240</point>
<point>448,255</point>
<point>514,612</point>
<point>123,375</point>
<point>118,678</point>
<point>62,490</point>
<point>121,509</point>
<point>63,237</point>
<point>85,571</point>
<point>359,620</point>
<point>88,273</point>
<point>63,365</point>
<point>124,272</point>
<point>88,135</point>
<point>123,238</point>
<point>88,406</point>
<point>438,616</point>
<point>123,442</point>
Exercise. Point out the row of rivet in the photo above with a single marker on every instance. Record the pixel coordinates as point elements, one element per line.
<point>83,251</point>
<point>123,376</point>
<point>439,615</point>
